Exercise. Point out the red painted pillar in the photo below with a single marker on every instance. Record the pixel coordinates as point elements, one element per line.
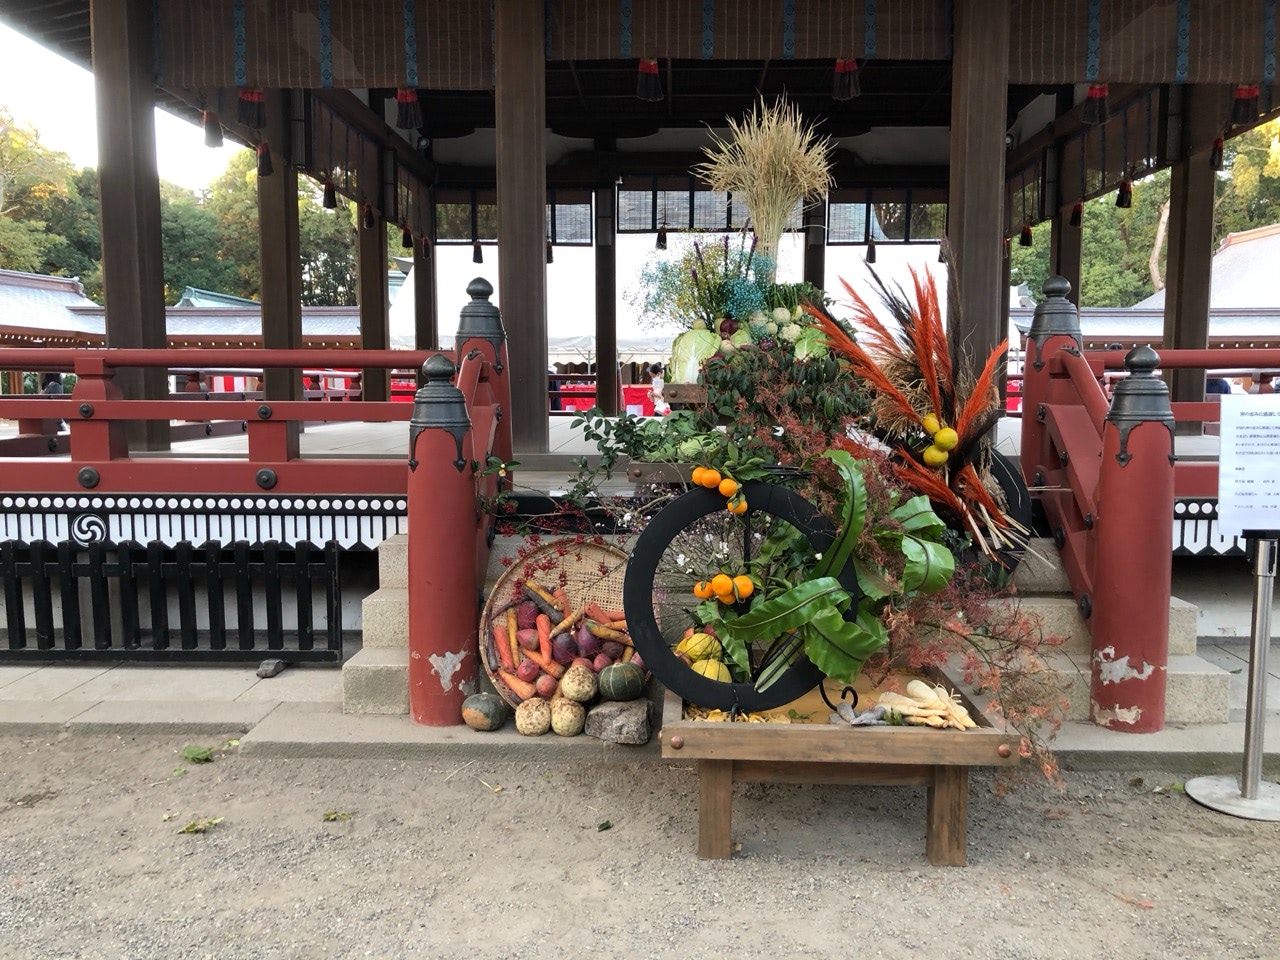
<point>443,593</point>
<point>1056,325</point>
<point>1131,572</point>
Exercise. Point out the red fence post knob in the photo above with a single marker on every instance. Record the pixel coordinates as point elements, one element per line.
<point>1131,569</point>
<point>1056,324</point>
<point>443,608</point>
<point>480,325</point>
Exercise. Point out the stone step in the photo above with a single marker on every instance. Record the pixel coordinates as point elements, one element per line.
<point>1196,691</point>
<point>1062,618</point>
<point>376,681</point>
<point>1041,570</point>
<point>385,614</point>
<point>393,561</point>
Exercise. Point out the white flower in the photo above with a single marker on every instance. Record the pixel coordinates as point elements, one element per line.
<point>681,559</point>
<point>817,556</point>
<point>790,332</point>
<point>781,315</point>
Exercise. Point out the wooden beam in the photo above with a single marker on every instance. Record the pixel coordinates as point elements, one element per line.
<point>975,214</point>
<point>607,389</point>
<point>1190,259</point>
<point>375,323</point>
<point>279,258</point>
<point>129,198</point>
<point>520,110</point>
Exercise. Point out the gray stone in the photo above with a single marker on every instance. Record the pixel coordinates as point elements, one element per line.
<point>271,668</point>
<point>619,722</point>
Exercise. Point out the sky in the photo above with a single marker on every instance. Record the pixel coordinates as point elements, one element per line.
<point>61,109</point>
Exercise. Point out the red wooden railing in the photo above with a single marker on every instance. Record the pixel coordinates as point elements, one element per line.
<point>1105,474</point>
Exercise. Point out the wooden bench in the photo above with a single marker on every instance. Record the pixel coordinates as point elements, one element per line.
<point>728,753</point>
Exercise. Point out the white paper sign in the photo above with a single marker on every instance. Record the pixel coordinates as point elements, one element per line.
<point>1249,463</point>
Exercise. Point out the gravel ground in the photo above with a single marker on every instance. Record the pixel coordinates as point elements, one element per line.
<point>442,859</point>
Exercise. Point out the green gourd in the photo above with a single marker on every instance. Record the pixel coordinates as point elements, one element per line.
<point>621,681</point>
<point>485,711</point>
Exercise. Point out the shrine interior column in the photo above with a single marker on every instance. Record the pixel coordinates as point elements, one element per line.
<point>607,389</point>
<point>520,113</point>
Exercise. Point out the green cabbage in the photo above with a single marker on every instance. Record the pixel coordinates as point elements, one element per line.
<point>812,342</point>
<point>689,351</point>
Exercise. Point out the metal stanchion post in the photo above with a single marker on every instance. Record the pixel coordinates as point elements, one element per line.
<point>1251,797</point>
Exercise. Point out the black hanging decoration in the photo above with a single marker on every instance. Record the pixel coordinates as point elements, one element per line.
<point>1215,155</point>
<point>477,255</point>
<point>550,256</point>
<point>426,249</point>
<point>846,84</point>
<point>1025,239</point>
<point>265,169</point>
<point>1124,195</point>
<point>649,84</point>
<point>661,242</point>
<point>212,129</point>
<point>367,218</point>
<point>408,109</point>
<point>406,238</point>
<point>330,196</point>
<point>251,108</point>
<point>1077,215</point>
<point>871,250</point>
<point>1244,104</point>
<point>1095,104</point>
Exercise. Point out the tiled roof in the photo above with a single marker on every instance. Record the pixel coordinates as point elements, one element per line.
<point>1243,269</point>
<point>34,301</point>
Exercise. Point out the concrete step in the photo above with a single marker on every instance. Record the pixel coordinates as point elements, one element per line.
<point>376,681</point>
<point>1197,691</point>
<point>1041,570</point>
<point>385,615</point>
<point>393,561</point>
<point>1061,617</point>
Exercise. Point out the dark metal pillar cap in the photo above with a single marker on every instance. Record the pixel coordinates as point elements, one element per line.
<point>1141,396</point>
<point>1055,315</point>
<point>480,318</point>
<point>438,403</point>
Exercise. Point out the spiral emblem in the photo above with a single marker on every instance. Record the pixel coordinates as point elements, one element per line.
<point>88,528</point>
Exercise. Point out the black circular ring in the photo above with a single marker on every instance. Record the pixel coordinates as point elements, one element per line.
<point>637,596</point>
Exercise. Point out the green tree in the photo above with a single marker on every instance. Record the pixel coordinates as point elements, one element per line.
<point>72,219</point>
<point>191,245</point>
<point>328,243</point>
<point>30,177</point>
<point>233,200</point>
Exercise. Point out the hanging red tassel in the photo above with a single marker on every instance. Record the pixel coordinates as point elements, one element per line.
<point>408,109</point>
<point>1124,195</point>
<point>265,169</point>
<point>1095,104</point>
<point>426,249</point>
<point>1244,104</point>
<point>846,85</point>
<point>1077,215</point>
<point>212,129</point>
<point>367,219</point>
<point>251,108</point>
<point>1025,239</point>
<point>649,84</point>
<point>1215,155</point>
<point>477,255</point>
<point>406,239</point>
<point>330,196</point>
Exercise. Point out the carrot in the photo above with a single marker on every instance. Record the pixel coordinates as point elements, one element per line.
<point>568,622</point>
<point>562,601</point>
<point>616,625</point>
<point>611,615</point>
<point>502,641</point>
<point>511,636</point>
<point>604,633</point>
<point>627,653</point>
<point>546,663</point>
<point>517,686</point>
<point>545,603</point>
<point>544,634</point>
<point>594,612</point>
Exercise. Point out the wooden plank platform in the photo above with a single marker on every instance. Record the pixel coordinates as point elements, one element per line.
<point>728,753</point>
